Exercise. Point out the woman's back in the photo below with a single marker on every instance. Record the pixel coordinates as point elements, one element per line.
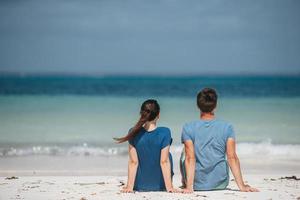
<point>148,145</point>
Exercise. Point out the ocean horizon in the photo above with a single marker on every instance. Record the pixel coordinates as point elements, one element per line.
<point>135,85</point>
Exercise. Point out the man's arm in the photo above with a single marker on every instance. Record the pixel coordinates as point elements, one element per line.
<point>234,164</point>
<point>190,162</point>
<point>132,168</point>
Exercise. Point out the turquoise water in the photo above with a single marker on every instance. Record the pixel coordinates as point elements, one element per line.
<point>84,119</point>
<point>80,116</point>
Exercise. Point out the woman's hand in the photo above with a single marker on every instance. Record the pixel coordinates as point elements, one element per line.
<point>248,188</point>
<point>127,189</point>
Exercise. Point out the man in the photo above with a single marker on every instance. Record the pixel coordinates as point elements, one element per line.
<point>207,142</point>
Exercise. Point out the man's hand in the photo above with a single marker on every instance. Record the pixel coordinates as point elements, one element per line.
<point>187,190</point>
<point>174,190</point>
<point>248,188</point>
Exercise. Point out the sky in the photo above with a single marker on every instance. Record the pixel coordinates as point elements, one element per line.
<point>150,37</point>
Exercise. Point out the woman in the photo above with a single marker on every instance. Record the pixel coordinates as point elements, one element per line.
<point>150,166</point>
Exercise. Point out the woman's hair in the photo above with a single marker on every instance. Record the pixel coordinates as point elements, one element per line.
<point>149,111</point>
<point>207,100</point>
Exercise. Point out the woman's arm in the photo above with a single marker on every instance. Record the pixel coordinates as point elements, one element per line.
<point>132,168</point>
<point>166,168</point>
<point>234,164</point>
<point>190,162</point>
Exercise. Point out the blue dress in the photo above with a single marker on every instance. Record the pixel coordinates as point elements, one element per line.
<point>148,145</point>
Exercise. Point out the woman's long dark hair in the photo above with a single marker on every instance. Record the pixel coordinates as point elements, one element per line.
<point>149,111</point>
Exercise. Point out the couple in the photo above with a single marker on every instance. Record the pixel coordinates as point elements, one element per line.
<point>209,147</point>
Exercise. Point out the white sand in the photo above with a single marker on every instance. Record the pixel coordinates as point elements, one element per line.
<point>57,178</point>
<point>107,187</point>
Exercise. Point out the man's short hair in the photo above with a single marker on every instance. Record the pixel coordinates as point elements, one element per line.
<point>207,100</point>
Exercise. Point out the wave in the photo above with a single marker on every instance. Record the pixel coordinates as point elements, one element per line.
<point>263,149</point>
<point>82,150</point>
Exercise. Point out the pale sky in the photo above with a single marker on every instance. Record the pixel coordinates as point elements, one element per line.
<point>150,36</point>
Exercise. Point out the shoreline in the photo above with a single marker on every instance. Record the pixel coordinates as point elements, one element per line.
<point>42,165</point>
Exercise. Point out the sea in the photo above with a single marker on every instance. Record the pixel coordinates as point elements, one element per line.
<point>74,115</point>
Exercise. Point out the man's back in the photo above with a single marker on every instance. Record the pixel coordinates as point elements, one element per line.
<point>209,138</point>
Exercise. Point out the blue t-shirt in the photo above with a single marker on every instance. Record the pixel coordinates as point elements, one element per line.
<point>209,138</point>
<point>148,145</point>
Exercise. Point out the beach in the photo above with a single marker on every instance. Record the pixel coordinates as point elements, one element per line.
<point>82,177</point>
<point>56,136</point>
<point>79,77</point>
<point>105,178</point>
<point>86,177</point>
<point>107,187</point>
